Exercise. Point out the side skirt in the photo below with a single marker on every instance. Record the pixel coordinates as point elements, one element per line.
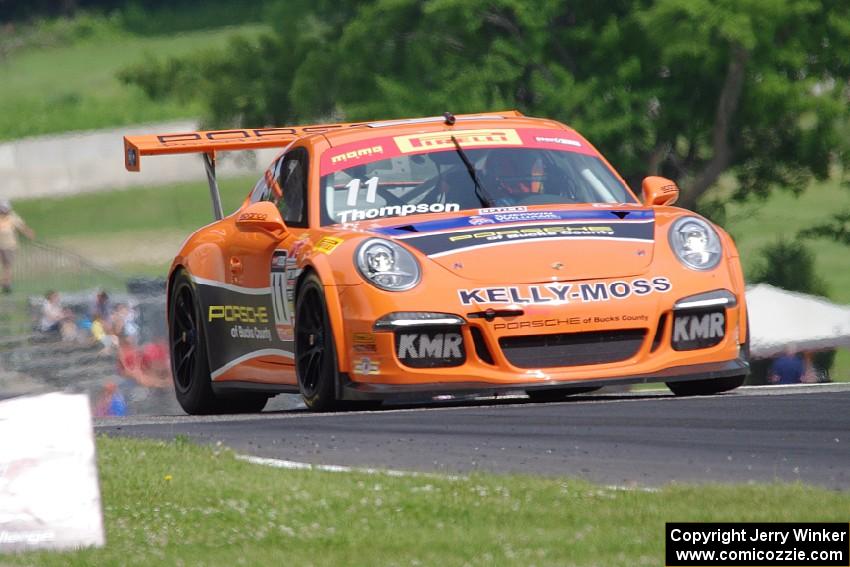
<point>237,386</point>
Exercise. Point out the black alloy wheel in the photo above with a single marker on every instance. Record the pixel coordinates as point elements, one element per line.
<point>315,355</point>
<point>189,364</point>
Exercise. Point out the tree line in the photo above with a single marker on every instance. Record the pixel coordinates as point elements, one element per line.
<point>689,89</point>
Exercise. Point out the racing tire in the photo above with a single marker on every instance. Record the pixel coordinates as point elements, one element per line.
<point>190,368</point>
<point>315,354</point>
<point>706,387</point>
<point>557,394</point>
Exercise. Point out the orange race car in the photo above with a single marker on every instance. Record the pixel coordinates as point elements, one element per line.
<point>448,255</point>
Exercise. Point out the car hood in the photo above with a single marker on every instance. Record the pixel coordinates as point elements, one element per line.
<point>520,245</point>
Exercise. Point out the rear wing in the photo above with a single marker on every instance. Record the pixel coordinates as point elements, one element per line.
<point>208,143</point>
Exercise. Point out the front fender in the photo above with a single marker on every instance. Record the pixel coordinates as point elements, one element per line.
<point>321,265</point>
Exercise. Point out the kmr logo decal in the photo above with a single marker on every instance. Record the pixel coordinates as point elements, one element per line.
<point>423,350</point>
<point>585,292</point>
<point>698,330</point>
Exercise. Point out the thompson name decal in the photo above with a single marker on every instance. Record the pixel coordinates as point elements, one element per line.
<point>352,215</point>
<point>584,292</point>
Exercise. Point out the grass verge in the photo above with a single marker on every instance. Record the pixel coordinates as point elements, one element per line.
<point>180,504</point>
<point>69,87</point>
<point>182,207</point>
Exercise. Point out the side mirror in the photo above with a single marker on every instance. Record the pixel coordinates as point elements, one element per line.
<point>262,217</point>
<point>659,191</point>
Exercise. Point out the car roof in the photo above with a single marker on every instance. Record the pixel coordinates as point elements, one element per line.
<point>379,129</point>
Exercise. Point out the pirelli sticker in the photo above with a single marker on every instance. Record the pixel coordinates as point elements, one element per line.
<point>453,242</point>
<point>466,138</point>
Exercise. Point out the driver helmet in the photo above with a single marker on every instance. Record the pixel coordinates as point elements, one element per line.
<point>514,173</point>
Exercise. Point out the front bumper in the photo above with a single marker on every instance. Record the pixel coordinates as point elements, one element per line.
<point>633,322</point>
<point>373,391</point>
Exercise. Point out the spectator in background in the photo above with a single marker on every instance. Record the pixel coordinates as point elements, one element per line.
<point>100,315</point>
<point>56,318</point>
<point>10,225</point>
<point>110,402</point>
<point>101,308</point>
<point>122,323</point>
<point>52,313</point>
<point>787,369</point>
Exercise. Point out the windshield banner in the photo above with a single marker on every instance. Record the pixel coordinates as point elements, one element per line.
<point>374,149</point>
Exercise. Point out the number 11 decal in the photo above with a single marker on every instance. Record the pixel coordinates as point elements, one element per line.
<point>353,187</point>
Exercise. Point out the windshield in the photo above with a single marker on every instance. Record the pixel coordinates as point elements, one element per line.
<point>439,180</point>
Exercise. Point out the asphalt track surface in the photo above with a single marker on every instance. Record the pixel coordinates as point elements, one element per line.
<point>641,439</point>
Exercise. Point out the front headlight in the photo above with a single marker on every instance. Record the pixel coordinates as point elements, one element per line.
<point>387,265</point>
<point>695,243</point>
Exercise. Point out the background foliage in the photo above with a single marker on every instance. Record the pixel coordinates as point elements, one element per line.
<point>690,89</point>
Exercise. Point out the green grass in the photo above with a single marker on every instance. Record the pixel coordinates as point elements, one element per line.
<point>181,207</point>
<point>159,511</point>
<point>757,224</point>
<point>74,87</point>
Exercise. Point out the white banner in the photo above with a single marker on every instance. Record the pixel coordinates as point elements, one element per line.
<point>49,493</point>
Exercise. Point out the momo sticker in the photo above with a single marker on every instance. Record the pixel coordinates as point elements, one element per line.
<point>357,154</point>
